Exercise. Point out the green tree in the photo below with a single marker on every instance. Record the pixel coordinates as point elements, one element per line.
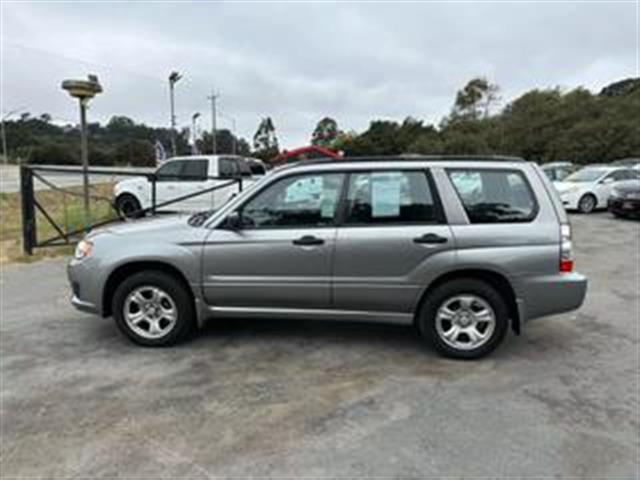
<point>476,98</point>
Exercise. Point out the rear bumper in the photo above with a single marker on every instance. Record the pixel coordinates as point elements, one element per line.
<point>552,294</point>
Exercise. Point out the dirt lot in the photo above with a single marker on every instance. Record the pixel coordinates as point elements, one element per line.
<point>256,398</point>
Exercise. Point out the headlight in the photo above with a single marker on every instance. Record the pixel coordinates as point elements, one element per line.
<point>83,249</point>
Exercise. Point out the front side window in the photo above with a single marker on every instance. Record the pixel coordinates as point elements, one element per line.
<point>389,197</point>
<point>494,196</point>
<point>195,170</point>
<point>243,167</point>
<point>170,171</point>
<point>297,201</point>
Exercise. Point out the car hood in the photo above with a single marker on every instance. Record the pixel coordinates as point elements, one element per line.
<point>169,225</point>
<point>627,186</point>
<point>566,186</point>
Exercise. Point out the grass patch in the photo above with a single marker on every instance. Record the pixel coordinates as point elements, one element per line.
<point>65,208</point>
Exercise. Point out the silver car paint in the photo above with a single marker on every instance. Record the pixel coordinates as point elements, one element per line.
<point>368,273</point>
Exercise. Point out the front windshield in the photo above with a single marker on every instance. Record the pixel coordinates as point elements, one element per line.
<point>198,218</point>
<point>586,175</point>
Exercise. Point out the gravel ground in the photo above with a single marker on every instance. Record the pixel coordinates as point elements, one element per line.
<point>301,399</point>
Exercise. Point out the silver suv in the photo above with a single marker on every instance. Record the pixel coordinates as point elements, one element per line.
<point>462,248</point>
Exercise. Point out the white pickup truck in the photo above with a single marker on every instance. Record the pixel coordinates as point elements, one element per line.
<point>180,176</point>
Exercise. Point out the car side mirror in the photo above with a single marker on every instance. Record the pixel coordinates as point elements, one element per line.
<point>234,221</point>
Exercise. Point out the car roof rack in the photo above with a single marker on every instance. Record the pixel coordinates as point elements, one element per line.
<point>411,157</point>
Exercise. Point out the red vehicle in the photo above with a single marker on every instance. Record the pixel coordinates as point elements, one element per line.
<point>304,153</point>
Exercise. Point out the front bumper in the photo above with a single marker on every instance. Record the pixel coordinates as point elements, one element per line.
<point>570,200</point>
<point>553,294</point>
<point>85,291</point>
<point>624,206</point>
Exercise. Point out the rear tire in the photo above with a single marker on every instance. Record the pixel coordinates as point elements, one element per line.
<point>587,203</point>
<point>153,309</point>
<point>128,205</point>
<point>464,319</point>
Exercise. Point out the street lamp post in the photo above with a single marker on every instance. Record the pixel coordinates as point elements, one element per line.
<point>194,117</point>
<point>84,90</point>
<point>173,79</point>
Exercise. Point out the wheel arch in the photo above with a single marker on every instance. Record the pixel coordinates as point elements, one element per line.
<point>496,279</point>
<point>127,269</point>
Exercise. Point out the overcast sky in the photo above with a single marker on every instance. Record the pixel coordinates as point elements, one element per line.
<point>300,62</point>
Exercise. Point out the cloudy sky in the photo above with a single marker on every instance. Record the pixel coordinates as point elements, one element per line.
<point>298,62</point>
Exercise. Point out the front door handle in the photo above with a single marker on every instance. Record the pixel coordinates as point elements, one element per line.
<point>308,240</point>
<point>430,238</point>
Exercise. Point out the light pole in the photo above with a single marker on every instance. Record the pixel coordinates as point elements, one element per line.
<point>194,117</point>
<point>173,79</point>
<point>84,90</point>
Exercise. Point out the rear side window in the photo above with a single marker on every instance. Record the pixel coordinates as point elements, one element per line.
<point>390,197</point>
<point>195,170</point>
<point>494,196</point>
<point>227,168</point>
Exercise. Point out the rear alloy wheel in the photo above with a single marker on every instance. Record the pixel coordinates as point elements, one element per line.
<point>128,205</point>
<point>153,309</point>
<point>587,203</point>
<point>464,319</point>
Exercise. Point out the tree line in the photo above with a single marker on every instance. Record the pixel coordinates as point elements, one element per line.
<point>541,125</point>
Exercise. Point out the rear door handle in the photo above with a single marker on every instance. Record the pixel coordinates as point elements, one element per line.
<point>308,240</point>
<point>430,238</point>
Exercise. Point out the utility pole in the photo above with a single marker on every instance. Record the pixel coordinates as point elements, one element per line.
<point>194,147</point>
<point>173,79</point>
<point>213,97</point>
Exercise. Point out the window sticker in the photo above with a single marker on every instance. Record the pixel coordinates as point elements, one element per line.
<point>305,190</point>
<point>385,195</point>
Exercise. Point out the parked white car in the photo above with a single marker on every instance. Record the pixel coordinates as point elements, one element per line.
<point>558,171</point>
<point>589,188</point>
<point>180,176</point>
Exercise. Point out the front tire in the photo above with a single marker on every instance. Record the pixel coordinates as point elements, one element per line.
<point>587,203</point>
<point>464,319</point>
<point>153,309</point>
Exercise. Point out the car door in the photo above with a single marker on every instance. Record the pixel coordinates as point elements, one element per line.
<point>168,184</point>
<point>281,256</point>
<point>392,226</point>
<point>605,185</point>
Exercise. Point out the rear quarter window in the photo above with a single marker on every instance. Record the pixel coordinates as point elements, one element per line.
<point>494,196</point>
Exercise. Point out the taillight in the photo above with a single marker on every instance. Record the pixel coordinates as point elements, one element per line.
<point>566,249</point>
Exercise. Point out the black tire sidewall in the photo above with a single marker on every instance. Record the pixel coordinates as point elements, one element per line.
<point>174,288</point>
<point>127,197</point>
<point>426,318</point>
<point>587,195</point>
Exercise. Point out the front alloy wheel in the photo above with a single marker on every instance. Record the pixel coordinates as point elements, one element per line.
<point>150,312</point>
<point>153,308</point>
<point>587,203</point>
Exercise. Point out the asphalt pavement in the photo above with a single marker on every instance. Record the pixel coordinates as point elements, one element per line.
<point>310,399</point>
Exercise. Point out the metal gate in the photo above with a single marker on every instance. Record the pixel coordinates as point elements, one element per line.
<point>65,236</point>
